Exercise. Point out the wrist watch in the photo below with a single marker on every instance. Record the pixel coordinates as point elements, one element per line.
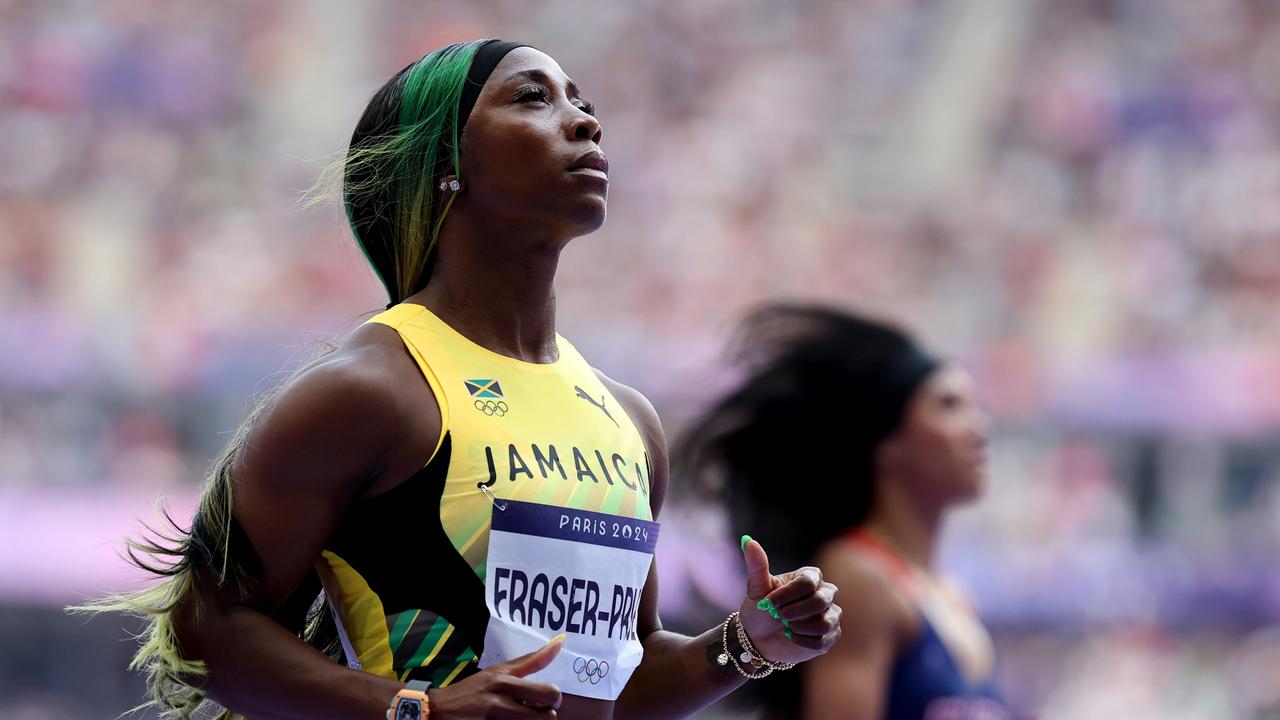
<point>411,702</point>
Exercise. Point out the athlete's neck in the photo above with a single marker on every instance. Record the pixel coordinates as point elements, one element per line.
<point>910,527</point>
<point>496,286</point>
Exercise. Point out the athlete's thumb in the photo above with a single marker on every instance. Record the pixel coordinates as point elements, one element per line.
<point>539,659</point>
<point>759,580</point>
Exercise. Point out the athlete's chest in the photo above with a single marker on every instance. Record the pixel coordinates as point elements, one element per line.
<point>959,629</point>
<point>550,438</point>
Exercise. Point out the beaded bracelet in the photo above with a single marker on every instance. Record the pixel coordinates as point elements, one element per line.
<point>745,642</point>
<point>750,656</point>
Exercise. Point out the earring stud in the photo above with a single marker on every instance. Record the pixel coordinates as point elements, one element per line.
<point>450,185</point>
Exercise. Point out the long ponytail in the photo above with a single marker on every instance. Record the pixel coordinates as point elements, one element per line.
<point>407,137</point>
<point>193,564</point>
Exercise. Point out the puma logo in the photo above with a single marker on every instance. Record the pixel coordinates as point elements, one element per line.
<point>583,394</point>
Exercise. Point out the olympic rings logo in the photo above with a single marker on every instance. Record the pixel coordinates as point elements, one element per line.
<point>489,407</point>
<point>590,670</point>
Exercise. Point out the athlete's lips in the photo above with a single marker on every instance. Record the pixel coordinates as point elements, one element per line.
<point>594,160</point>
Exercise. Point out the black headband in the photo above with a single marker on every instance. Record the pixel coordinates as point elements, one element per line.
<point>901,378</point>
<point>486,59</point>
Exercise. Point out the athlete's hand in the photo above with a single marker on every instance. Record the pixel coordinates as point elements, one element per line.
<point>501,691</point>
<point>807,622</point>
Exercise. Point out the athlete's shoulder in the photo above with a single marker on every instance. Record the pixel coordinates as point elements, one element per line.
<point>356,397</point>
<point>363,369</point>
<point>350,386</point>
<point>880,602</point>
<point>852,680</point>
<point>636,404</point>
<point>645,417</point>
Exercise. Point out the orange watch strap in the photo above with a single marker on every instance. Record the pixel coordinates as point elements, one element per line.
<point>414,690</point>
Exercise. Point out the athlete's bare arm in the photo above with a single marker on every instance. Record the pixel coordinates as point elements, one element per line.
<point>361,418</point>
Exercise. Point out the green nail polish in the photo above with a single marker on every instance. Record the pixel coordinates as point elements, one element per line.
<point>766,605</point>
<point>787,634</point>
<point>742,544</point>
<point>786,624</point>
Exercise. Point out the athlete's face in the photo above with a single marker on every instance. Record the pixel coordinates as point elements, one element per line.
<point>531,148</point>
<point>940,450</point>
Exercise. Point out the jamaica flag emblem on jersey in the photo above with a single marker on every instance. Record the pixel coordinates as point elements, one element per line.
<point>486,395</point>
<point>484,389</point>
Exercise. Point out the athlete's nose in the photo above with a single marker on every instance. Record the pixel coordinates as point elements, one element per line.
<point>583,126</point>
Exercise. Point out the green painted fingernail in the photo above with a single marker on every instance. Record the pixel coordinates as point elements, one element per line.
<point>786,624</point>
<point>787,634</point>
<point>742,544</point>
<point>767,605</point>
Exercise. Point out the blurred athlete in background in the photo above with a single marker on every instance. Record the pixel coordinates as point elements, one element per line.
<point>876,439</point>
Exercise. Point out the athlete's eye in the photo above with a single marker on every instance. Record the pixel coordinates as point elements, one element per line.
<point>531,92</point>
<point>542,93</point>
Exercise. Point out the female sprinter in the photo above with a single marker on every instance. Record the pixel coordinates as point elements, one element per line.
<point>886,440</point>
<point>478,504</point>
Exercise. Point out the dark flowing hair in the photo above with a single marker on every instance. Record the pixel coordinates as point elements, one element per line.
<point>791,448</point>
<point>407,137</point>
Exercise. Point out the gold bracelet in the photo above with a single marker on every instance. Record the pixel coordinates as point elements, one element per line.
<point>745,642</point>
<point>748,657</point>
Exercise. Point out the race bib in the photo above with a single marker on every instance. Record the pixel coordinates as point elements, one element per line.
<point>555,570</point>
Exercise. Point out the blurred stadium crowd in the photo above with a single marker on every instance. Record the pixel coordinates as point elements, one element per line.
<point>1078,199</point>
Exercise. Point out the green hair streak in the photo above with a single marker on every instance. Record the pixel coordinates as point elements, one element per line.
<point>402,166</point>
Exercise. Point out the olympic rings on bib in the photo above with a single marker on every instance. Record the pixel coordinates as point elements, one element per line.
<point>590,669</point>
<point>489,407</point>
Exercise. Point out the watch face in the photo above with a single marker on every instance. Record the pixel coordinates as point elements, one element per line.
<point>409,709</point>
